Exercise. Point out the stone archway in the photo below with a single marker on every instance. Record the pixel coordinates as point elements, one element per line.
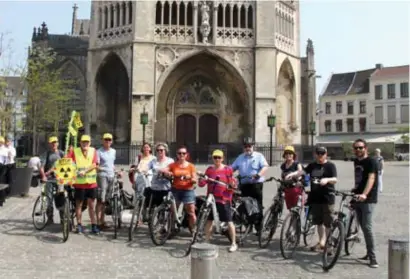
<point>206,87</point>
<point>113,99</point>
<point>285,97</point>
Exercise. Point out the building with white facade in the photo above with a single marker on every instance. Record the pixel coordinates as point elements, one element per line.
<point>371,104</point>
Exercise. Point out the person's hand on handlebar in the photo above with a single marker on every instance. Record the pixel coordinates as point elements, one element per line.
<point>360,197</point>
<point>323,181</point>
<point>256,176</point>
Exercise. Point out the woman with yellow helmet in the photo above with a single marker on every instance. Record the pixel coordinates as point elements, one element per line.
<point>291,165</point>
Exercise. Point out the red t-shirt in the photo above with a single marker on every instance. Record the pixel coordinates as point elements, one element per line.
<point>84,186</point>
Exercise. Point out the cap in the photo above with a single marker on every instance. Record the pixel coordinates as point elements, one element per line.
<point>107,136</point>
<point>289,148</point>
<point>52,139</point>
<point>218,153</point>
<point>321,149</point>
<point>377,150</point>
<point>85,138</point>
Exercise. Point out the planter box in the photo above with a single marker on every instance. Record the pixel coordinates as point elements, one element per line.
<point>21,181</point>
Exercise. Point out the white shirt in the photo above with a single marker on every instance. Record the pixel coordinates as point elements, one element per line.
<point>3,154</point>
<point>34,163</point>
<point>11,154</point>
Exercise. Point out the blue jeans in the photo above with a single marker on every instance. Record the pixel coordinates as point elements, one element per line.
<point>364,213</point>
<point>184,196</point>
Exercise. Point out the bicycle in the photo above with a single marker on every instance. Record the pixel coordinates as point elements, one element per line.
<point>115,202</point>
<point>170,219</point>
<point>207,207</point>
<point>294,220</point>
<point>138,212</point>
<point>66,210</point>
<point>334,245</point>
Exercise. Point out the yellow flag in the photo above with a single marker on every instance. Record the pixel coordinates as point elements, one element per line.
<point>72,131</point>
<point>77,121</point>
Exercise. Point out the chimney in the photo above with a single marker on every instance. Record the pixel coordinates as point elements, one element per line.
<point>379,66</point>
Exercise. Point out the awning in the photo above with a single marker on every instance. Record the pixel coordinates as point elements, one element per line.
<point>376,137</point>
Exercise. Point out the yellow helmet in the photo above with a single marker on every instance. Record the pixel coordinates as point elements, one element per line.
<point>289,148</point>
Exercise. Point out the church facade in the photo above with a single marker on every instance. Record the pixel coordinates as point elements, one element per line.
<point>206,72</point>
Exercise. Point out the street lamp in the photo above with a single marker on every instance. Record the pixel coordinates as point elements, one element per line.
<point>143,122</point>
<point>271,125</point>
<point>312,128</point>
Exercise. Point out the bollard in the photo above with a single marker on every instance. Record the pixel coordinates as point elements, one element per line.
<point>203,261</point>
<point>398,258</point>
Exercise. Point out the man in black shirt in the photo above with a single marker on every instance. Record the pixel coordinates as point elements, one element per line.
<point>321,197</point>
<point>366,185</point>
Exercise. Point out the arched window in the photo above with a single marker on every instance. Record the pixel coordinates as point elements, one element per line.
<point>166,12</point>
<point>174,13</point>
<point>100,19</point>
<point>111,16</point>
<point>235,16</point>
<point>243,17</point>
<point>182,13</point>
<point>105,17</point>
<point>220,15</point>
<point>130,12</point>
<point>118,13</point>
<point>250,17</point>
<point>124,13</point>
<point>228,15</point>
<point>158,11</point>
<point>190,14</point>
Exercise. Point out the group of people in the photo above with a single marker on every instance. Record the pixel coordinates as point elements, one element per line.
<point>7,164</point>
<point>97,171</point>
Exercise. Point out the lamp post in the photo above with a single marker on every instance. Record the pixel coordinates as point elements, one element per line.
<point>312,128</point>
<point>143,122</point>
<point>271,125</point>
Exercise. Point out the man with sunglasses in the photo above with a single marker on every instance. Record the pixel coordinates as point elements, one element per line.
<point>251,164</point>
<point>105,178</point>
<point>321,198</point>
<point>366,185</point>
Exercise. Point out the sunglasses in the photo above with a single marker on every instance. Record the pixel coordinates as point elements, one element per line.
<point>288,153</point>
<point>107,139</point>
<point>181,153</point>
<point>247,146</point>
<point>358,147</point>
<point>160,150</point>
<point>320,153</point>
<point>217,157</point>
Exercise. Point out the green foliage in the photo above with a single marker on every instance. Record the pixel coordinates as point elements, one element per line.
<point>387,149</point>
<point>48,94</point>
<point>405,134</point>
<point>347,148</point>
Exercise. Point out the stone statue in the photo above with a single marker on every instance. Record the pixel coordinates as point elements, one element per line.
<point>205,28</point>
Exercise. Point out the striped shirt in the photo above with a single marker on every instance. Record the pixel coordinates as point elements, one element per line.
<point>220,192</point>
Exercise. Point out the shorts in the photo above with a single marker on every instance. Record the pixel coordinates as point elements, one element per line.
<point>224,212</point>
<point>184,196</point>
<point>322,214</point>
<point>85,194</point>
<point>105,184</point>
<point>157,196</point>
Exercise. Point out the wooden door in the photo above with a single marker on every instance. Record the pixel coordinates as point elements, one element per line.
<point>186,129</point>
<point>208,129</point>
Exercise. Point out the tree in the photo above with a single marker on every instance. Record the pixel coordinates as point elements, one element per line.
<point>49,93</point>
<point>11,87</point>
<point>405,134</point>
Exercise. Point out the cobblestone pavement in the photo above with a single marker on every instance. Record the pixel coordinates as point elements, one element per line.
<point>27,253</point>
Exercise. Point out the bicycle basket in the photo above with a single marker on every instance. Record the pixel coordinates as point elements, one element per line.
<point>141,182</point>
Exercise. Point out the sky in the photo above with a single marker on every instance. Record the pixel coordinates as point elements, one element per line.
<point>347,35</point>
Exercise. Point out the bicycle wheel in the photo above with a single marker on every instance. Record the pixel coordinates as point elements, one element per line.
<point>269,225</point>
<point>66,220</point>
<point>40,212</point>
<point>115,216</point>
<point>200,226</point>
<point>160,225</point>
<point>291,222</point>
<point>333,245</point>
<point>308,230</point>
<point>136,214</point>
<point>352,234</point>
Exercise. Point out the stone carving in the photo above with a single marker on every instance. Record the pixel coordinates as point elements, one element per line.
<point>205,28</point>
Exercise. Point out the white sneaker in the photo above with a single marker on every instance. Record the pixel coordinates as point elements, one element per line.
<point>233,247</point>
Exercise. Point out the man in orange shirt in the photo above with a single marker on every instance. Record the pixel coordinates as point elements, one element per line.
<point>85,185</point>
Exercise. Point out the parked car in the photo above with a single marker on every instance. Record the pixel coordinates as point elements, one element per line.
<point>402,156</point>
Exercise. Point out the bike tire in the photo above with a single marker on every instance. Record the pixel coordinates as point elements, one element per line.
<point>337,225</point>
<point>115,216</point>
<point>43,202</point>
<point>270,217</point>
<point>352,229</point>
<point>200,226</point>
<point>168,222</point>
<point>66,220</point>
<point>135,219</point>
<point>308,229</point>
<point>294,221</point>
